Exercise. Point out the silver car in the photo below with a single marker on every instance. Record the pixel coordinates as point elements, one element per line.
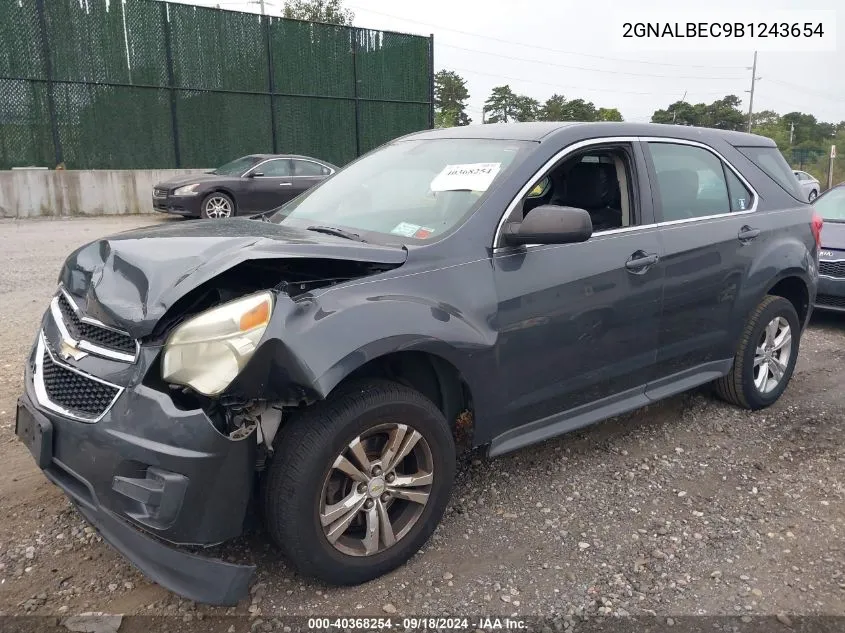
<point>809,185</point>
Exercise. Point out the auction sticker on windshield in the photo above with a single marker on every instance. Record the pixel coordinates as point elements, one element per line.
<point>406,229</point>
<point>466,177</point>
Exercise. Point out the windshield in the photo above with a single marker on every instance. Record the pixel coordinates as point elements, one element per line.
<point>831,206</point>
<point>237,166</point>
<point>417,189</point>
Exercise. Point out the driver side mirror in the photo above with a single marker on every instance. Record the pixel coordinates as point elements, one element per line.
<point>550,224</point>
<point>254,174</point>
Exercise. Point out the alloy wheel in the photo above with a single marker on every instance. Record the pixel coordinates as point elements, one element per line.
<point>376,490</point>
<point>772,355</point>
<point>218,207</point>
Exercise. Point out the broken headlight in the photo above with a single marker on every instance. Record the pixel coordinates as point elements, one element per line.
<point>207,351</point>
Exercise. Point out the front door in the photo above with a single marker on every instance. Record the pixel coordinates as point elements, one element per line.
<point>578,323</point>
<point>269,185</point>
<point>710,236</point>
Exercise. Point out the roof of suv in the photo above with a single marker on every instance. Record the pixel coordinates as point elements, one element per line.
<point>540,130</point>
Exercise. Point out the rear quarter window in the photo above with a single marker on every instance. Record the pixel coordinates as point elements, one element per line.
<point>774,165</point>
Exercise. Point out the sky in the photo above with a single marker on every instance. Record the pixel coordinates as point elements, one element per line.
<point>544,47</point>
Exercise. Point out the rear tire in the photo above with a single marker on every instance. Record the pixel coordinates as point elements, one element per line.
<point>813,195</point>
<point>308,488</point>
<point>765,358</point>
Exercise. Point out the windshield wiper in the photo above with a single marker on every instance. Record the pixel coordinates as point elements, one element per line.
<point>330,230</point>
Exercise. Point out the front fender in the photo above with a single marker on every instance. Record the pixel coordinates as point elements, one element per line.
<point>315,341</point>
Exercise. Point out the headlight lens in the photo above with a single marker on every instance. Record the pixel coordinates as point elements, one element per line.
<point>209,350</point>
<point>187,190</point>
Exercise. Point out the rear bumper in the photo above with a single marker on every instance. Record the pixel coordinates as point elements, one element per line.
<point>150,477</point>
<point>831,294</point>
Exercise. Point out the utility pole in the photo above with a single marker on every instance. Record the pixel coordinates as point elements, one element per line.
<point>791,131</point>
<point>261,3</point>
<point>675,111</point>
<point>754,78</point>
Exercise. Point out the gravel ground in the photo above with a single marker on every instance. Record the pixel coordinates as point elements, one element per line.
<point>688,507</point>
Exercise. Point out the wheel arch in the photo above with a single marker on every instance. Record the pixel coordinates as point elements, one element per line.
<point>432,374</point>
<point>794,288</point>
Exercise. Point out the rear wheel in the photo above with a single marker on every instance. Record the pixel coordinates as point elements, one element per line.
<point>359,482</point>
<point>766,356</point>
<point>217,206</point>
<point>813,195</point>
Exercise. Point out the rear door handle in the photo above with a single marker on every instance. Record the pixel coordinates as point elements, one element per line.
<point>746,234</point>
<point>639,262</point>
<point>286,184</point>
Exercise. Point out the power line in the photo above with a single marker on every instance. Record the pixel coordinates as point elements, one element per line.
<point>593,70</point>
<point>825,95</point>
<point>562,86</point>
<point>542,48</point>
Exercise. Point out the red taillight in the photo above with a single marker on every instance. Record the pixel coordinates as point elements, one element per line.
<point>816,225</point>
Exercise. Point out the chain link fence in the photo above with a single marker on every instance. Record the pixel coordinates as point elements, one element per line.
<point>142,84</point>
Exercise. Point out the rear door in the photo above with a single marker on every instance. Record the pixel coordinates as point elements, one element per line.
<point>710,236</point>
<point>268,185</point>
<point>307,173</point>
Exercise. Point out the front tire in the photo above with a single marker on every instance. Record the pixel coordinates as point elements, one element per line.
<point>217,206</point>
<point>359,482</point>
<point>765,358</point>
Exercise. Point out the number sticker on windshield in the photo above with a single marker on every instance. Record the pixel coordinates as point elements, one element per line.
<point>467,177</point>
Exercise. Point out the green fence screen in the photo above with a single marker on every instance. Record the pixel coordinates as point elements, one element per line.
<point>142,84</point>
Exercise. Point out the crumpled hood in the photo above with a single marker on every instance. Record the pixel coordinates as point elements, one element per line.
<point>129,280</point>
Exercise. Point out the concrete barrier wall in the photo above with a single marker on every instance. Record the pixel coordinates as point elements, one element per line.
<point>30,193</point>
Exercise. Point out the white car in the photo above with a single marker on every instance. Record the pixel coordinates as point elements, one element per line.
<point>809,185</point>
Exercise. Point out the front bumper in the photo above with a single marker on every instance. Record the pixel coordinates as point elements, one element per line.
<point>187,206</point>
<point>831,294</point>
<point>149,476</point>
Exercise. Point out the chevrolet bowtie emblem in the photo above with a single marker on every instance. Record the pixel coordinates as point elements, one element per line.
<point>68,350</point>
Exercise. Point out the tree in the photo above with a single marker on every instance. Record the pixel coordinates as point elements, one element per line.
<point>502,105</point>
<point>553,109</point>
<point>450,93</point>
<point>723,114</point>
<point>579,110</point>
<point>527,109</point>
<point>609,114</point>
<point>329,11</point>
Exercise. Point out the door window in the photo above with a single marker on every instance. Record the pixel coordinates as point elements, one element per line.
<point>309,168</point>
<point>598,180</point>
<point>690,181</point>
<point>741,197</point>
<point>279,168</point>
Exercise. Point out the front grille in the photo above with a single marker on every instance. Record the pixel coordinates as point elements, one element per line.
<point>159,193</point>
<point>94,334</point>
<point>79,394</point>
<point>830,300</point>
<point>832,269</point>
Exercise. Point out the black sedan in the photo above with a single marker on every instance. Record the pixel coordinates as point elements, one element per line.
<point>247,185</point>
<point>831,207</point>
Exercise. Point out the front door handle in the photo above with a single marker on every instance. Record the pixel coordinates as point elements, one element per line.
<point>286,184</point>
<point>746,234</point>
<point>640,261</point>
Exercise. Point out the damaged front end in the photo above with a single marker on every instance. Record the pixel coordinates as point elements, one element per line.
<point>160,377</point>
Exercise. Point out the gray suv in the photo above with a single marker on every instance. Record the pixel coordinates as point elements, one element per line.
<point>502,284</point>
